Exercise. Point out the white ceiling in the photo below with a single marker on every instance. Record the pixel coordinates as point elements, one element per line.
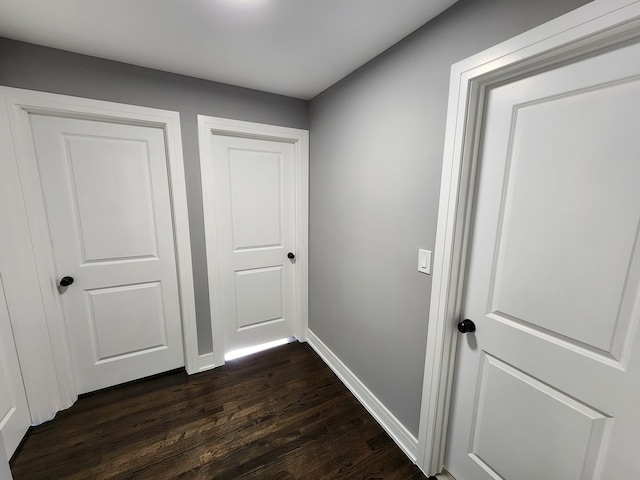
<point>291,47</point>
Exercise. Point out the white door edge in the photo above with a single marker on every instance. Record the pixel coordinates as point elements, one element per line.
<point>444,475</point>
<point>5,470</point>
<point>19,103</point>
<point>588,28</point>
<point>300,139</point>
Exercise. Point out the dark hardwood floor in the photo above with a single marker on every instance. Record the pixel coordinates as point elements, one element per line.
<point>280,414</point>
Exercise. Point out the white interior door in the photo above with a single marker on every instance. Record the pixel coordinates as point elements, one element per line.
<point>106,191</point>
<point>548,386</point>
<point>254,196</point>
<point>5,471</point>
<point>14,409</point>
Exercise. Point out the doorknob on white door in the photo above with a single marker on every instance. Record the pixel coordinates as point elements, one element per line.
<point>66,281</point>
<point>466,326</point>
<point>291,255</point>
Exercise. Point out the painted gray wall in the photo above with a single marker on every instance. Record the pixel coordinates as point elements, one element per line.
<point>24,65</point>
<point>376,153</point>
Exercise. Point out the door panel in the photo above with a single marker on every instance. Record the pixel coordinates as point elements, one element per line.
<point>256,197</point>
<point>111,188</point>
<point>575,177</point>
<point>255,216</point>
<point>265,288</point>
<point>546,387</point>
<point>127,320</point>
<point>108,205</point>
<point>14,409</point>
<point>573,431</point>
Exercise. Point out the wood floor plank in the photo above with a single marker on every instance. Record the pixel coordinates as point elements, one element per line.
<point>280,414</point>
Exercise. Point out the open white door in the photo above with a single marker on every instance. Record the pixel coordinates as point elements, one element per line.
<point>254,182</point>
<point>548,385</point>
<point>14,410</point>
<point>538,247</point>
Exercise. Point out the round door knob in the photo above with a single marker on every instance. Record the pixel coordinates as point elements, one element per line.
<point>291,255</point>
<point>466,326</point>
<point>66,281</point>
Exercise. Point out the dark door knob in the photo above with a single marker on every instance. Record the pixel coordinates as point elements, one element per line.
<point>466,326</point>
<point>291,255</point>
<point>66,281</point>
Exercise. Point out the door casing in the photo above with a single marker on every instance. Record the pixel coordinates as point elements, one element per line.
<point>14,420</point>
<point>44,351</point>
<point>300,140</point>
<point>589,28</point>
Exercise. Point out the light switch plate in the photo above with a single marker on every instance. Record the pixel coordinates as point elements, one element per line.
<point>424,261</point>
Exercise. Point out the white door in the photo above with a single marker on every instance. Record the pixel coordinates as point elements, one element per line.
<point>14,409</point>
<point>106,191</point>
<point>549,384</point>
<point>5,471</point>
<point>254,196</point>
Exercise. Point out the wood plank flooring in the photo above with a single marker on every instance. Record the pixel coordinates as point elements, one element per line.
<point>280,414</point>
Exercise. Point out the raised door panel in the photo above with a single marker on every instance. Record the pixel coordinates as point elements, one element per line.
<point>127,321</point>
<point>256,198</point>
<point>259,296</point>
<point>112,195</point>
<point>566,244</point>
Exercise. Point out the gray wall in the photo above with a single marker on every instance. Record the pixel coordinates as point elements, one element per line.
<point>376,153</point>
<point>33,67</point>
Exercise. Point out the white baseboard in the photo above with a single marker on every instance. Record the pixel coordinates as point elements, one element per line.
<point>398,432</point>
<point>207,362</point>
<point>444,475</point>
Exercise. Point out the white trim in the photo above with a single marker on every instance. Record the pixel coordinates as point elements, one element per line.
<point>444,475</point>
<point>396,430</point>
<point>594,26</point>
<point>207,362</point>
<point>17,262</point>
<point>5,471</point>
<point>49,340</point>
<point>300,139</point>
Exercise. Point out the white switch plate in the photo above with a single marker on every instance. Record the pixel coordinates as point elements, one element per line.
<point>424,261</point>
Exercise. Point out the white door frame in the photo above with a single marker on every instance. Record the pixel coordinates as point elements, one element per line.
<point>5,471</point>
<point>11,384</point>
<point>300,139</point>
<point>589,28</point>
<point>43,349</point>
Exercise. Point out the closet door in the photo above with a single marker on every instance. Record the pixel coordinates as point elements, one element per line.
<point>109,211</point>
